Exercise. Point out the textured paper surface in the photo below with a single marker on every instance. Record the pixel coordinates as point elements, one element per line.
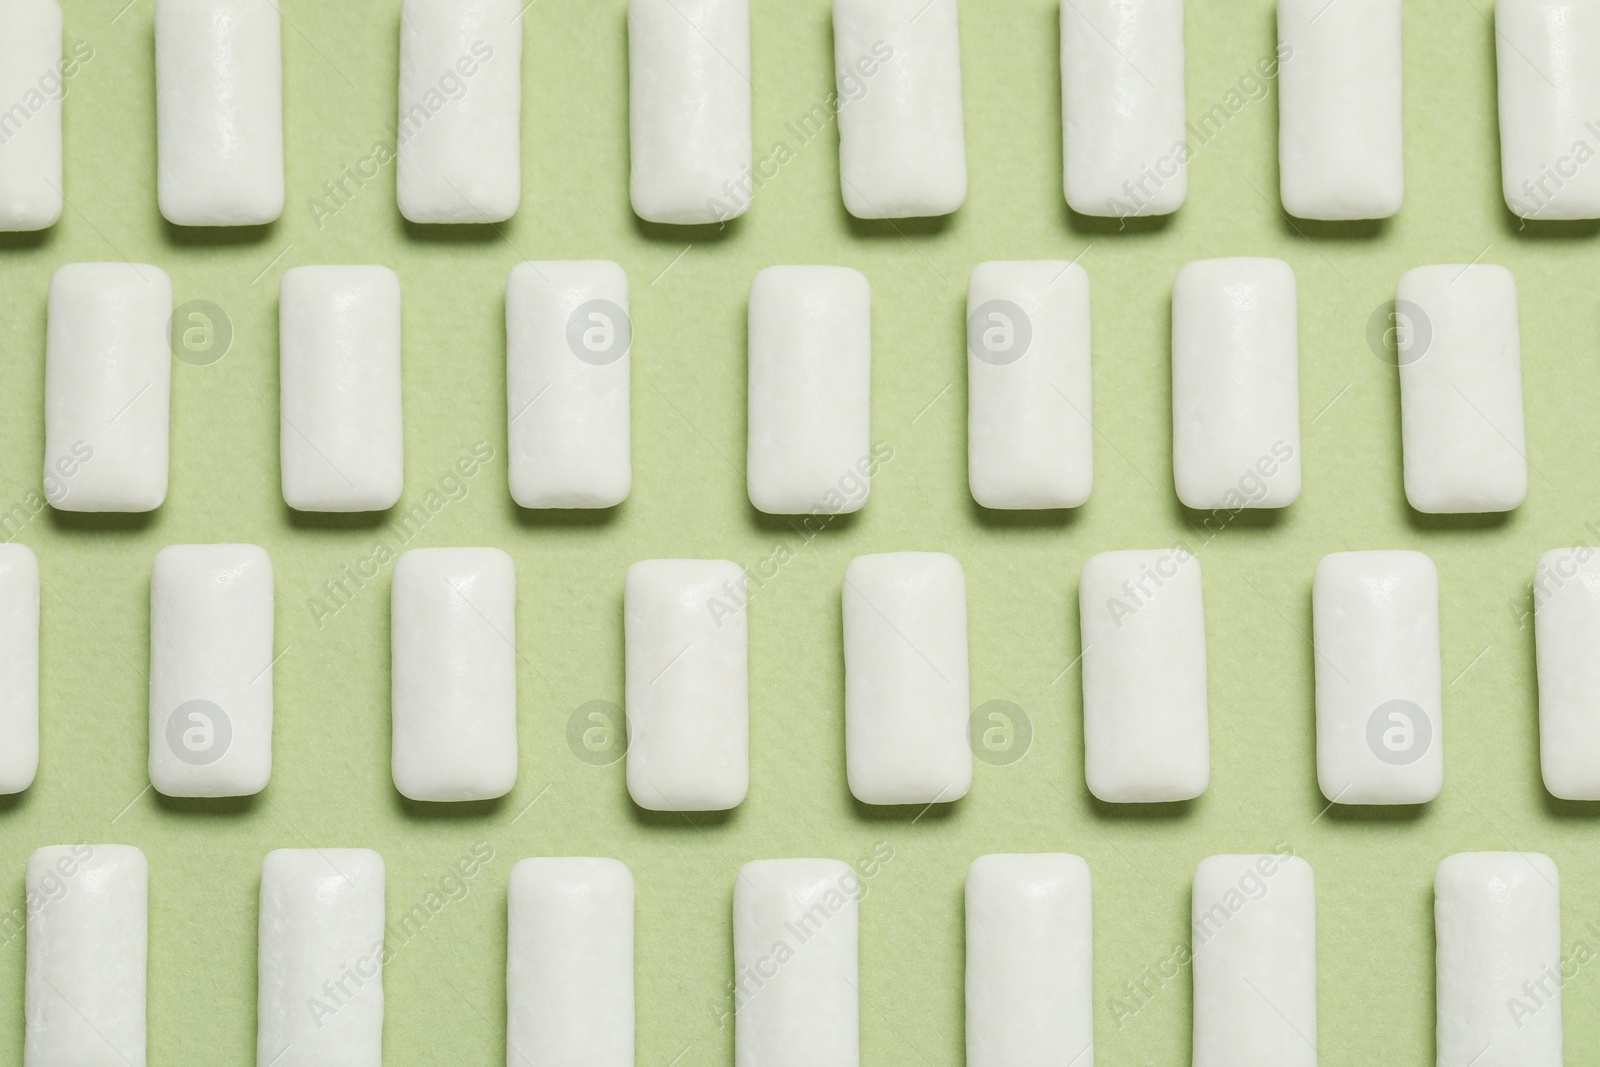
<point>331,785</point>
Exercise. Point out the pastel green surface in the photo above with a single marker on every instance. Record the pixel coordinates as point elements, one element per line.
<point>331,783</point>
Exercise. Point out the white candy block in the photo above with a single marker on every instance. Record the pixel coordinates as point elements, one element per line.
<point>1146,736</point>
<point>1029,962</point>
<point>810,390</point>
<point>219,112</point>
<point>1030,442</point>
<point>1461,390</point>
<point>32,87</point>
<point>569,964</point>
<point>340,440</point>
<point>88,935</point>
<point>1122,107</point>
<point>906,700</point>
<point>1255,962</point>
<point>794,964</point>
<point>320,958</point>
<point>1380,722</point>
<point>568,339</point>
<point>19,667</point>
<point>1339,128</point>
<point>897,68</point>
<point>107,387</point>
<point>688,685</point>
<point>1566,598</point>
<point>453,639</point>
<point>459,149</point>
<point>1235,384</point>
<point>211,661</point>
<point>1497,924</point>
<point>1549,107</point>
<point>689,109</point>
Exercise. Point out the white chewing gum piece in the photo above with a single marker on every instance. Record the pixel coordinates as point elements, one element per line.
<point>459,141</point>
<point>320,959</point>
<point>902,145</point>
<point>1235,385</point>
<point>1497,925</point>
<point>1030,442</point>
<point>211,655</point>
<point>1255,962</point>
<point>1122,108</point>
<point>1380,721</point>
<point>88,936</point>
<point>906,696</point>
<point>453,638</point>
<point>569,964</point>
<point>810,391</point>
<point>219,112</point>
<point>795,933</point>
<point>1146,736</point>
<point>1566,599</point>
<point>107,387</point>
<point>688,684</point>
<point>689,110</point>
<point>1029,962</point>
<point>32,79</point>
<point>1549,88</point>
<point>1461,421</point>
<point>1340,146</point>
<point>568,362</point>
<point>340,439</point>
<point>19,667</point>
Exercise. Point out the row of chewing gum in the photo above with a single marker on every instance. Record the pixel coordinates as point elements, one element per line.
<point>1379,716</point>
<point>1234,359</point>
<point>1126,135</point>
<point>796,971</point>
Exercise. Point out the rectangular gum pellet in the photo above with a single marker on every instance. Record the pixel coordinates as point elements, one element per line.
<point>211,660</point>
<point>1549,100</point>
<point>107,387</point>
<point>219,112</point>
<point>459,148</point>
<point>19,667</point>
<point>810,390</point>
<point>905,678</point>
<point>1461,420</point>
<point>795,931</point>
<point>31,72</point>
<point>568,362</point>
<point>1146,735</point>
<point>320,958</point>
<point>1255,962</point>
<point>569,963</point>
<point>1030,441</point>
<point>1497,925</point>
<point>453,637</point>
<point>340,436</point>
<point>689,110</point>
<point>1029,962</point>
<point>1235,384</point>
<point>1122,107</point>
<point>1566,598</point>
<point>1380,724</point>
<point>688,686</point>
<point>1339,125</point>
<point>897,69</point>
<point>88,936</point>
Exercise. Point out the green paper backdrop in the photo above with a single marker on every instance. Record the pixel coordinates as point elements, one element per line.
<point>331,786</point>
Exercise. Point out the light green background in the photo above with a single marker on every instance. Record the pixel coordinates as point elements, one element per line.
<point>331,784</point>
